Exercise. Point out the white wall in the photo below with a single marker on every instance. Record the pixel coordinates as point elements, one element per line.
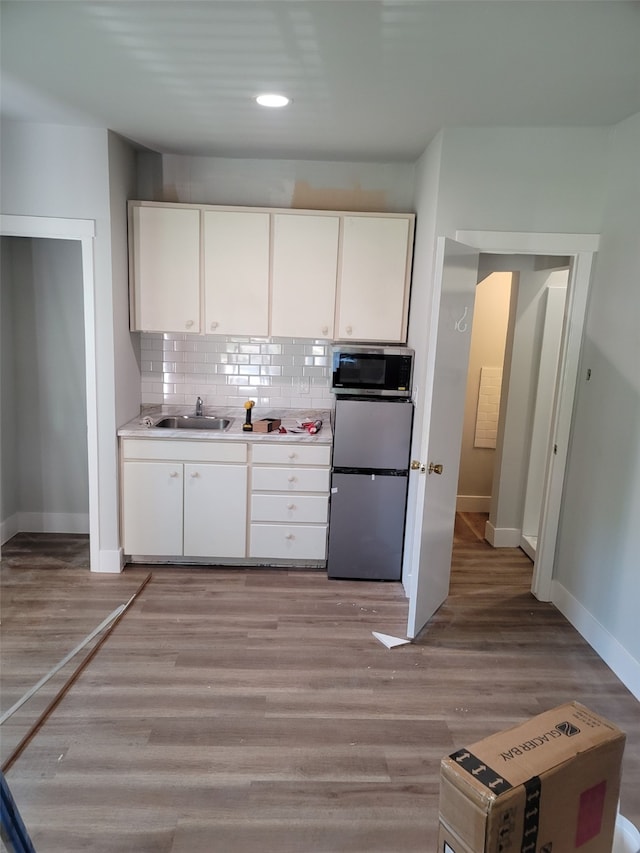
<point>45,398</point>
<point>288,183</point>
<point>56,171</point>
<point>599,538</point>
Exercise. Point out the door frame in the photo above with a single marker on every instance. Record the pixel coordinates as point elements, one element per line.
<point>83,230</point>
<point>581,248</point>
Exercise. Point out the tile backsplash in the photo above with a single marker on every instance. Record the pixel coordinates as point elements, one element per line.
<point>226,371</point>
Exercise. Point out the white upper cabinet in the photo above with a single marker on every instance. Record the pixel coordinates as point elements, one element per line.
<point>305,262</point>
<point>307,274</point>
<point>165,266</point>
<point>375,270</point>
<point>236,272</point>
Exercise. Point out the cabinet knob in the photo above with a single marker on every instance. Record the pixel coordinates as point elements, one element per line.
<point>292,479</point>
<point>293,454</point>
<point>349,330</point>
<point>325,330</point>
<point>189,324</point>
<point>289,536</point>
<point>173,474</point>
<point>291,506</point>
<point>214,325</point>
<point>195,474</point>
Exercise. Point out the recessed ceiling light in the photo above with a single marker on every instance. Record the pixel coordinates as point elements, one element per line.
<point>272,100</point>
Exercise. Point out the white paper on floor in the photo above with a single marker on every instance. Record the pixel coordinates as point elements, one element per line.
<point>389,641</point>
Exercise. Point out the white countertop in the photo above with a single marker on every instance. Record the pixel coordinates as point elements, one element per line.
<point>142,426</point>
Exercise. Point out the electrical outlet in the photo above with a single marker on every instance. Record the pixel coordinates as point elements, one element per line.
<point>303,385</point>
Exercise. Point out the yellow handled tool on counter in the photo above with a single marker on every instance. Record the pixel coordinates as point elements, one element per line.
<point>247,426</point>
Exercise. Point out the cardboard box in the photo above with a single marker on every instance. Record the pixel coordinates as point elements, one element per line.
<point>266,424</point>
<point>550,785</point>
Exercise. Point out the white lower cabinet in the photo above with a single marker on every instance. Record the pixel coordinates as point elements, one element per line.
<point>189,499</point>
<point>184,498</point>
<point>215,514</point>
<point>152,507</point>
<point>289,502</point>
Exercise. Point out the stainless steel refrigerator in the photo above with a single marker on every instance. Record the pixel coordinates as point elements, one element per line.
<point>369,480</point>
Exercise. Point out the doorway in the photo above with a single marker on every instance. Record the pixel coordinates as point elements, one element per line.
<point>82,233</point>
<point>517,328</point>
<point>431,528</point>
<point>44,440</point>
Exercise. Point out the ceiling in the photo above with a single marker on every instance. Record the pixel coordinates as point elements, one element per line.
<point>371,80</point>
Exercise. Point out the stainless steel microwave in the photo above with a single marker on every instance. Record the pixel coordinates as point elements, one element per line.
<point>363,371</point>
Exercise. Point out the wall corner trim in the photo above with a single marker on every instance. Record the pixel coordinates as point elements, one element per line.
<point>110,562</point>
<point>55,228</point>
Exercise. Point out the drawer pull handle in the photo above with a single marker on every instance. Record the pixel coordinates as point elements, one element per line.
<point>289,536</point>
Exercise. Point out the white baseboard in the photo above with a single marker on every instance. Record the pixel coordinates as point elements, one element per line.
<point>502,537</point>
<point>109,562</point>
<point>45,522</point>
<point>529,545</point>
<point>9,528</point>
<point>473,503</point>
<point>617,658</point>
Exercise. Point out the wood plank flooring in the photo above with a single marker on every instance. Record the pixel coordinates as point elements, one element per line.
<point>242,710</point>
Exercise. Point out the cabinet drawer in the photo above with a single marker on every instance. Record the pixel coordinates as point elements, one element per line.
<point>185,451</point>
<point>303,509</point>
<point>290,479</point>
<point>292,454</point>
<point>288,541</point>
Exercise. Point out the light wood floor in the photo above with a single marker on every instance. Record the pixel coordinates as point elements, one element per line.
<point>252,711</point>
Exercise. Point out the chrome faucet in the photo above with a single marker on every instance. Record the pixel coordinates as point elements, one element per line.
<point>199,406</point>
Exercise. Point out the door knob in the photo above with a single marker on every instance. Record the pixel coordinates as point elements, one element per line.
<point>417,466</point>
<point>435,469</point>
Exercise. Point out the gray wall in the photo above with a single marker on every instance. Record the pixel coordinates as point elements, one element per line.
<point>8,423</point>
<point>56,171</point>
<point>288,183</point>
<point>126,346</point>
<point>599,543</point>
<point>44,400</point>
<point>572,180</point>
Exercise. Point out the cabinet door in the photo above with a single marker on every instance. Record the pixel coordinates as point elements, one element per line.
<point>215,510</point>
<point>305,262</point>
<point>236,273</point>
<point>152,508</point>
<point>374,279</point>
<point>165,269</point>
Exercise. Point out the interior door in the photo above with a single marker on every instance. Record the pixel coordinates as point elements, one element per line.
<point>444,397</point>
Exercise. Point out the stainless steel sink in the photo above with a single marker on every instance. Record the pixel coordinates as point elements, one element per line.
<point>195,422</point>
